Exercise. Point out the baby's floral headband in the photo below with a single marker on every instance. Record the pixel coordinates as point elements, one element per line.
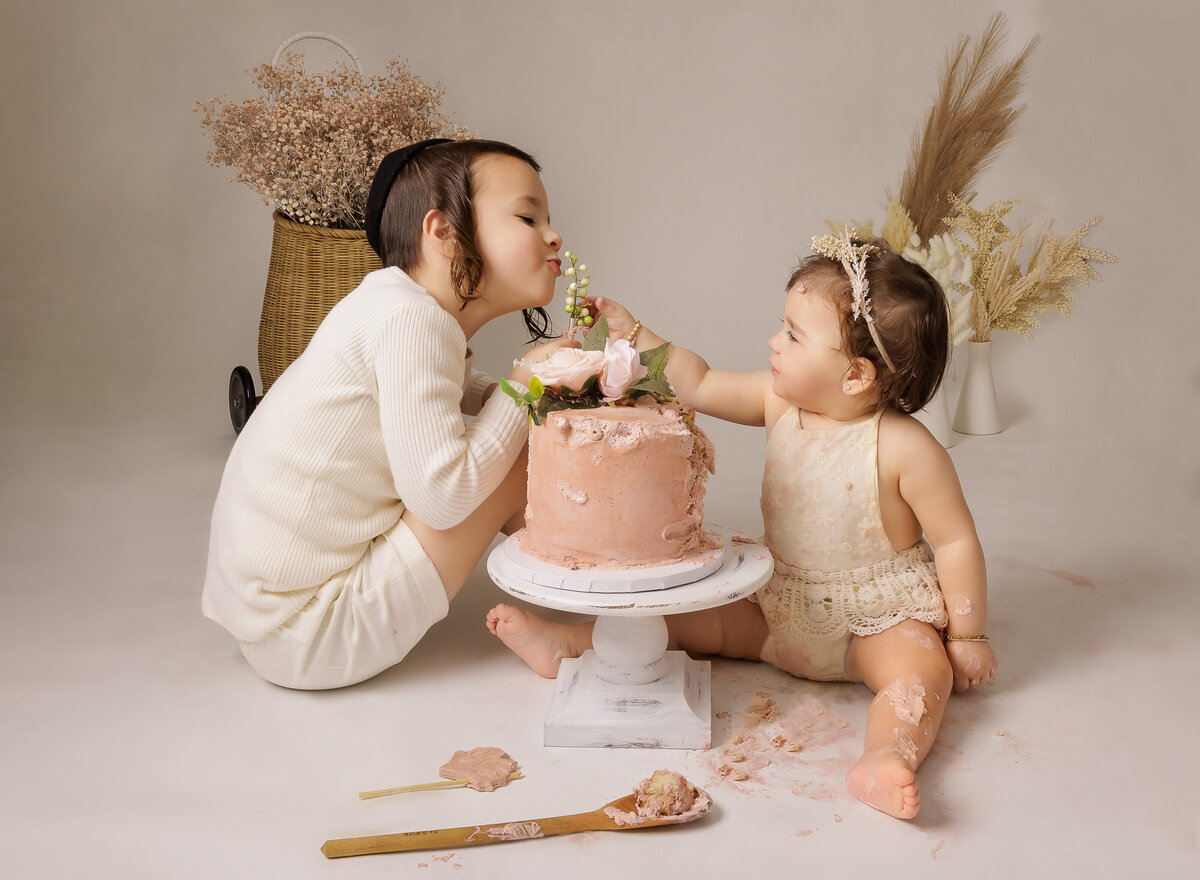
<point>853,258</point>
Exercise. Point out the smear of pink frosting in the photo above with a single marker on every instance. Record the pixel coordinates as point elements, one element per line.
<point>905,745</point>
<point>485,769</point>
<point>908,701</point>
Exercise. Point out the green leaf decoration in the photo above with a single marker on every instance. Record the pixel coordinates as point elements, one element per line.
<point>657,386</point>
<point>597,336</point>
<point>549,405</point>
<point>529,399</point>
<point>650,355</point>
<point>512,392</point>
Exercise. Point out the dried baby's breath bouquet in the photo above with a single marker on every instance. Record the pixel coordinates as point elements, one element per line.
<point>310,143</point>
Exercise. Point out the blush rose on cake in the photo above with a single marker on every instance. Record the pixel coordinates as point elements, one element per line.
<point>602,371</point>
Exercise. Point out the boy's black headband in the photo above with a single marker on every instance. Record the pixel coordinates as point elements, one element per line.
<point>385,176</point>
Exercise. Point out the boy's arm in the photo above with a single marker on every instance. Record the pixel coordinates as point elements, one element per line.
<point>724,394</point>
<point>930,486</point>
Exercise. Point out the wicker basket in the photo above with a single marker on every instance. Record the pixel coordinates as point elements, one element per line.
<point>311,269</point>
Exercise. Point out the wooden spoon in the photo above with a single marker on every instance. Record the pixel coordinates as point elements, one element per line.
<point>476,835</point>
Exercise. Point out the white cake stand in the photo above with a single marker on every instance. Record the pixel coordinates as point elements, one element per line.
<point>629,690</point>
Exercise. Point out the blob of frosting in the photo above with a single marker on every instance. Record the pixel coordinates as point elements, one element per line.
<point>485,769</point>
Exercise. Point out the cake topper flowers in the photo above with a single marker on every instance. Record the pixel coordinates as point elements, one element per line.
<point>581,315</point>
<point>602,371</point>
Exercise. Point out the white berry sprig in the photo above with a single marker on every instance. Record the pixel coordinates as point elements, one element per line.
<point>580,315</point>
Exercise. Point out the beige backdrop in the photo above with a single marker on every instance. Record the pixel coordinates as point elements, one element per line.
<point>690,151</point>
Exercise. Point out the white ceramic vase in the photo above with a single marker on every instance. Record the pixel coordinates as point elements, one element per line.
<point>935,416</point>
<point>978,412</point>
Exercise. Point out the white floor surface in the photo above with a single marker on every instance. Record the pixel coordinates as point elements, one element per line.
<point>135,741</point>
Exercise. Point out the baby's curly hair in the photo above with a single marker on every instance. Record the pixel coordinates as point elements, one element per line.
<point>911,316</point>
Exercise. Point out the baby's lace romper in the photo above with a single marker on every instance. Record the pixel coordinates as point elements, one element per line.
<point>836,573</point>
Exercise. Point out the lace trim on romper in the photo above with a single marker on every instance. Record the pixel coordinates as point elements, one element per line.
<point>835,570</point>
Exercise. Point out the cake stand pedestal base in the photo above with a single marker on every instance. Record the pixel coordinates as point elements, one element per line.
<point>630,691</point>
<point>672,712</point>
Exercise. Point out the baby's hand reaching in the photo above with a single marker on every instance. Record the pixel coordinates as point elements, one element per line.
<point>974,663</point>
<point>537,354</point>
<point>620,322</point>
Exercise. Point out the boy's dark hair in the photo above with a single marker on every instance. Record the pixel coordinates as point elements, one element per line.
<point>911,316</point>
<point>439,178</point>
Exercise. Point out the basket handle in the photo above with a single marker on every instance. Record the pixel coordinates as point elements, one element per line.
<point>316,35</point>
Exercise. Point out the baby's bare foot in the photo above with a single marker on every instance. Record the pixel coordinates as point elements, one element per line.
<point>538,642</point>
<point>885,781</point>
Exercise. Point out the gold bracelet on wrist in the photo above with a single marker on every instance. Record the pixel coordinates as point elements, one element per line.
<point>967,638</point>
<point>632,335</point>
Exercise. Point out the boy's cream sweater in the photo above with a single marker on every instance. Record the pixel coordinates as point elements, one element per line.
<point>366,422</point>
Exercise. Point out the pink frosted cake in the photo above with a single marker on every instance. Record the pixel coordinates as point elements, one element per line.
<point>617,487</point>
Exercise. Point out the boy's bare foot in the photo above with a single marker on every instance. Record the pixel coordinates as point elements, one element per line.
<point>884,780</point>
<point>538,642</point>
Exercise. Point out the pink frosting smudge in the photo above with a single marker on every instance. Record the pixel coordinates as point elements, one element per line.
<point>485,769</point>
<point>905,745</point>
<point>1072,578</point>
<point>908,701</point>
<point>812,724</point>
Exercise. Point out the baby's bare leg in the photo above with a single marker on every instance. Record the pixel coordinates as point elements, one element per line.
<point>907,668</point>
<point>736,630</point>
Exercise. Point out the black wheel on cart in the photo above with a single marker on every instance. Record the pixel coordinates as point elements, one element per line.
<point>241,398</point>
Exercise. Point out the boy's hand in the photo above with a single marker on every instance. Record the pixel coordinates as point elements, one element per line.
<point>537,354</point>
<point>974,663</point>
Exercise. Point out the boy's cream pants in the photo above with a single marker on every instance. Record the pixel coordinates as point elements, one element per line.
<point>360,622</point>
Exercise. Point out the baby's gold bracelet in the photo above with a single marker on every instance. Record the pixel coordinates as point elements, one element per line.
<point>967,638</point>
<point>632,335</point>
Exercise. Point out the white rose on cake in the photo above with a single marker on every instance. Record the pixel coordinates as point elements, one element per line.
<point>622,369</point>
<point>569,368</point>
